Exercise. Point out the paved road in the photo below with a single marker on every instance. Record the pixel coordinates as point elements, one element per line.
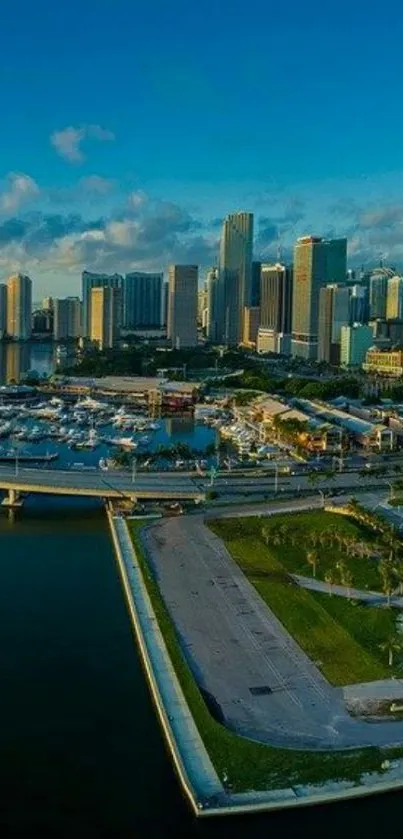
<point>264,684</point>
<point>376,598</point>
<point>96,482</point>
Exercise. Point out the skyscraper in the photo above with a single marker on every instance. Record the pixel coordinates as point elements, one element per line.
<point>212,306</point>
<point>354,343</point>
<point>105,316</point>
<point>90,281</point>
<point>334,312</point>
<point>142,300</point>
<point>276,297</point>
<point>317,262</point>
<point>3,309</point>
<point>255,289</point>
<point>67,318</point>
<point>234,290</point>
<point>182,305</point>
<point>165,294</point>
<point>378,293</point>
<point>394,305</point>
<point>359,307</point>
<point>19,307</point>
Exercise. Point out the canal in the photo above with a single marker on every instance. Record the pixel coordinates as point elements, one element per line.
<point>81,750</point>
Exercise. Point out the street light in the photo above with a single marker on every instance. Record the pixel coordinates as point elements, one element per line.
<point>390,485</point>
<point>322,495</point>
<point>134,469</point>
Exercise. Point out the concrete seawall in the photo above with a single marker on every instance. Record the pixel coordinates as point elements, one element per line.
<point>199,780</point>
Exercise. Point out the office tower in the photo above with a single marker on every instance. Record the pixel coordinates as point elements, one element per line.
<point>234,290</point>
<point>182,305</point>
<point>90,281</point>
<point>105,316</point>
<point>394,303</point>
<point>142,300</point>
<point>164,315</point>
<point>202,305</point>
<point>317,262</point>
<point>213,333</point>
<point>359,304</point>
<point>47,304</point>
<point>42,322</point>
<point>67,322</point>
<point>255,289</point>
<point>251,323</point>
<point>354,342</point>
<point>378,292</point>
<point>3,309</point>
<point>18,362</point>
<point>19,307</point>
<point>334,312</point>
<point>276,297</point>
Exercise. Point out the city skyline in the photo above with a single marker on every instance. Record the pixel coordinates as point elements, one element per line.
<point>99,184</point>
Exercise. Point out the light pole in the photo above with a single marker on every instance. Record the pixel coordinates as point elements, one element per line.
<point>16,464</point>
<point>391,495</point>
<point>322,495</point>
<point>134,469</point>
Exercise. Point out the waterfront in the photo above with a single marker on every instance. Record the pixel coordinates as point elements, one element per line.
<point>82,753</point>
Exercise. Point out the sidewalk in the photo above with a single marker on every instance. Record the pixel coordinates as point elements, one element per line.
<point>375,598</point>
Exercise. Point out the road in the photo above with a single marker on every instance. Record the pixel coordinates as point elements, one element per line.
<point>97,483</point>
<point>265,686</point>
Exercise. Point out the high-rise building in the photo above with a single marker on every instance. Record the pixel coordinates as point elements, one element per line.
<point>355,341</point>
<point>3,309</point>
<point>165,294</point>
<point>202,305</point>
<point>90,281</point>
<point>359,304</point>
<point>255,289</point>
<point>334,312</point>
<point>317,262</point>
<point>105,316</point>
<point>142,300</point>
<point>378,293</point>
<point>67,318</point>
<point>276,297</point>
<point>251,323</point>
<point>182,305</point>
<point>47,304</point>
<point>19,307</point>
<point>234,290</point>
<point>394,304</point>
<point>213,333</point>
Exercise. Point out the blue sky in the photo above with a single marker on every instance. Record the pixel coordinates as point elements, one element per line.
<point>130,129</point>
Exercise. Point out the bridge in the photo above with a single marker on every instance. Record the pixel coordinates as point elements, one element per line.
<point>96,484</point>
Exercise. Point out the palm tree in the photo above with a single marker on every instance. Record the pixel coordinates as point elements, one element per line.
<point>392,645</point>
<point>388,577</point>
<point>329,579</point>
<point>346,579</point>
<point>312,559</point>
<point>266,533</point>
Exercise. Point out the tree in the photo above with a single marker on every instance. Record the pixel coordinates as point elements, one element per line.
<point>329,579</point>
<point>266,533</point>
<point>347,581</point>
<point>388,577</point>
<point>312,559</point>
<point>392,645</point>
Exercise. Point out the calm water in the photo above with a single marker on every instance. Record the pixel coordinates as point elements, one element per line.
<point>16,360</point>
<point>81,751</point>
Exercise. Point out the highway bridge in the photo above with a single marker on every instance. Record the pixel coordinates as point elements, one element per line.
<point>96,484</point>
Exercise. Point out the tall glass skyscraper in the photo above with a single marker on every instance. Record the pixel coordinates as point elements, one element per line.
<point>317,262</point>
<point>234,287</point>
<point>90,281</point>
<point>182,305</point>
<point>334,312</point>
<point>19,307</point>
<point>212,301</point>
<point>378,293</point>
<point>394,306</point>
<point>142,300</point>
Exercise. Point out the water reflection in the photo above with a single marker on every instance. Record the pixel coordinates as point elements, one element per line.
<point>19,359</point>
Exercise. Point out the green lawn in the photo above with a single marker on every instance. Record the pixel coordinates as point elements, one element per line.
<point>292,552</point>
<point>249,765</point>
<point>325,638</point>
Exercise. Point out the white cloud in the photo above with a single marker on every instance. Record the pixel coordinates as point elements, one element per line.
<point>96,184</point>
<point>68,141</point>
<point>20,189</point>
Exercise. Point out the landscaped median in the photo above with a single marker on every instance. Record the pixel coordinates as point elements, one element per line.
<point>243,765</point>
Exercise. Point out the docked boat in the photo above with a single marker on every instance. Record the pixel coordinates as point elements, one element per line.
<point>123,442</point>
